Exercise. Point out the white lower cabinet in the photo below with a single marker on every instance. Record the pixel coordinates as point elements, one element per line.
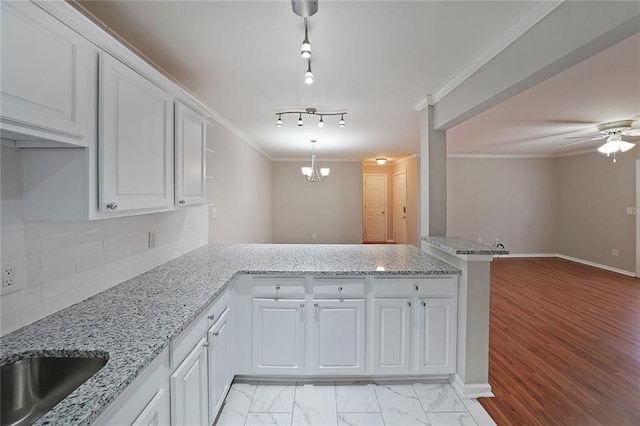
<point>392,344</point>
<point>436,345</point>
<point>155,413</point>
<point>189,382</point>
<point>220,363</point>
<point>338,336</point>
<point>278,336</point>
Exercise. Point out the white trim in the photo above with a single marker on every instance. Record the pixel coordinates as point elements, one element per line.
<point>535,15</point>
<point>216,117</point>
<point>390,241</point>
<point>637,218</point>
<point>478,413</point>
<point>563,154</point>
<point>519,255</point>
<point>423,103</point>
<point>477,390</point>
<point>596,265</point>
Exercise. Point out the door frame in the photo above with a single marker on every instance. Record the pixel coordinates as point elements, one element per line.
<point>364,204</point>
<point>637,218</point>
<point>404,172</point>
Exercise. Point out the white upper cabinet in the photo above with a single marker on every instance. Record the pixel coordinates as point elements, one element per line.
<point>135,140</point>
<point>190,143</point>
<point>44,84</point>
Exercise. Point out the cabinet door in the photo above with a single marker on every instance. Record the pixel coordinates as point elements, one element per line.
<point>135,140</point>
<point>337,342</point>
<point>155,413</point>
<point>278,336</point>
<point>44,80</point>
<point>391,335</point>
<point>436,335</point>
<point>220,374</point>
<point>189,389</point>
<point>190,143</point>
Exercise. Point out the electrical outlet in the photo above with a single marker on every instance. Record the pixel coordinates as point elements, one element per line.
<point>10,280</point>
<point>214,213</point>
<point>153,241</point>
<point>479,240</point>
<point>313,235</point>
<point>614,252</point>
<point>631,210</point>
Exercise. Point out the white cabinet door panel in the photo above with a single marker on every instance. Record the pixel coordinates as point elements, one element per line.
<point>189,396</point>
<point>338,338</point>
<point>135,140</point>
<point>278,336</point>
<point>220,374</point>
<point>391,335</point>
<point>154,413</point>
<point>190,154</point>
<point>436,335</point>
<point>44,72</point>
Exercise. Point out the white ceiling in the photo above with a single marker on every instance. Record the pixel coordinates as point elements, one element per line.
<point>374,59</point>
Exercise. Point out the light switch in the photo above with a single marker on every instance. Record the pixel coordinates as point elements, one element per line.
<point>214,213</point>
<point>631,210</point>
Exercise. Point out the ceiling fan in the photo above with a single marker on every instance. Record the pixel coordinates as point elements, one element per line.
<point>617,135</point>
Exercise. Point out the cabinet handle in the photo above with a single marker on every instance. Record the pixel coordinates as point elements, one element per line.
<point>112,206</point>
<point>409,304</point>
<point>182,202</point>
<point>205,344</point>
<point>416,287</point>
<point>302,305</point>
<point>424,304</point>
<point>212,317</point>
<point>315,304</point>
<point>277,288</point>
<point>215,334</point>
<point>339,288</point>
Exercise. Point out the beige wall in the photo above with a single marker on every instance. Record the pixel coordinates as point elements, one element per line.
<point>410,166</point>
<point>593,196</point>
<point>332,208</point>
<point>239,186</point>
<point>510,199</point>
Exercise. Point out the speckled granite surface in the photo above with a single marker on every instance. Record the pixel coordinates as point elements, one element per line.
<point>457,245</point>
<point>133,322</point>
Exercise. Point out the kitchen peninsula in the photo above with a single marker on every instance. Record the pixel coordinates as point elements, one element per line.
<point>149,320</point>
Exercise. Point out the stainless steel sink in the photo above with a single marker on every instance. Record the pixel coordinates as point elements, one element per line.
<point>33,386</point>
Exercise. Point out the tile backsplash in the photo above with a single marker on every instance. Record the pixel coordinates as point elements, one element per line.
<point>61,263</point>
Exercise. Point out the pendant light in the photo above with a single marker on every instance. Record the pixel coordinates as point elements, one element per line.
<point>279,122</point>
<point>341,122</point>
<point>311,173</point>
<point>321,122</point>
<point>305,49</point>
<point>308,76</point>
<point>300,120</point>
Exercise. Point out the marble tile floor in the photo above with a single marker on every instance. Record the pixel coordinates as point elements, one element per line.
<point>399,403</point>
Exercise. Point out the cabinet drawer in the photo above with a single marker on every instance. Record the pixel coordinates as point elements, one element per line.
<point>278,287</point>
<point>403,287</point>
<point>338,288</point>
<point>182,345</point>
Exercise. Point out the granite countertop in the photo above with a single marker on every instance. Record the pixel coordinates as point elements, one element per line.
<point>133,322</point>
<point>460,246</point>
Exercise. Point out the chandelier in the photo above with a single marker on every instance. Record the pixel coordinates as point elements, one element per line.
<point>311,111</point>
<point>311,173</point>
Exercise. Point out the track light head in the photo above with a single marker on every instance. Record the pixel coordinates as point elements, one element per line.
<point>300,120</point>
<point>279,121</point>
<point>341,122</point>
<point>321,122</point>
<point>308,76</point>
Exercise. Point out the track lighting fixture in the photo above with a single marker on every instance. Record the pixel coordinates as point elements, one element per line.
<point>310,111</point>
<point>305,49</point>
<point>308,76</point>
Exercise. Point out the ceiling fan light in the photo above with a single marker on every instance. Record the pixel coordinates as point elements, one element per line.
<point>625,146</point>
<point>609,148</point>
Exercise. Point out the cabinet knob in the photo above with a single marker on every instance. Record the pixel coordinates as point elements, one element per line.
<point>424,304</point>
<point>182,202</point>
<point>339,288</point>
<point>315,304</point>
<point>277,288</point>
<point>416,287</point>
<point>205,344</point>
<point>409,304</point>
<point>112,206</point>
<point>215,334</point>
<point>212,317</point>
<point>302,305</point>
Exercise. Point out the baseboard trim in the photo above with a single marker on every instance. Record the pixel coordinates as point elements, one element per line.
<point>597,265</point>
<point>476,390</point>
<point>571,259</point>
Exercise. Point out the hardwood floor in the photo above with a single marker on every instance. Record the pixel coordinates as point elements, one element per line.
<point>564,345</point>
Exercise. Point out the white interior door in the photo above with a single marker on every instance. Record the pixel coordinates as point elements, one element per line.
<point>375,205</point>
<point>400,208</point>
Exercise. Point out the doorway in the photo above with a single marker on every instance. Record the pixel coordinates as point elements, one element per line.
<point>375,205</point>
<point>400,208</point>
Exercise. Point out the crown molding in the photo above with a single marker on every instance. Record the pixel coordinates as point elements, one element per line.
<point>535,15</point>
<point>323,160</point>
<point>423,103</point>
<point>506,156</point>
